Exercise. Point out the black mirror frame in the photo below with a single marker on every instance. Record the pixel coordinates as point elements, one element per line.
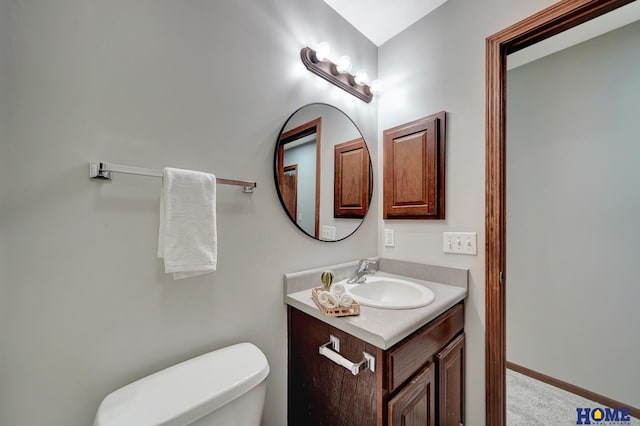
<point>275,172</point>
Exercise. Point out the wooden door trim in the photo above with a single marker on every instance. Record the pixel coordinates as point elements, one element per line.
<point>542,25</point>
<point>289,136</point>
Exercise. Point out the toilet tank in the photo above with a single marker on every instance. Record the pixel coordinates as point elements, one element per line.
<point>186,392</point>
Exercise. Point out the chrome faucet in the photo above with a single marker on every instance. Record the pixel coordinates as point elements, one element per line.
<point>362,271</point>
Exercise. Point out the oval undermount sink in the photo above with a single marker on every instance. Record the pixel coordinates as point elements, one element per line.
<point>390,293</point>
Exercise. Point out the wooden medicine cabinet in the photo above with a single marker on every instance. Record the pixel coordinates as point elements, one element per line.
<point>351,182</point>
<point>414,169</point>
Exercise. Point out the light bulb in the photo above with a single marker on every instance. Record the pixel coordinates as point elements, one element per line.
<point>375,87</point>
<point>322,51</point>
<point>343,64</point>
<point>361,77</point>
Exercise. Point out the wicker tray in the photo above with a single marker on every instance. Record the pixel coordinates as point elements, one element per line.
<point>338,311</point>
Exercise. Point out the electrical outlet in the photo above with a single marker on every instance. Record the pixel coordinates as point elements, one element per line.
<point>328,232</point>
<point>388,238</point>
<point>459,242</point>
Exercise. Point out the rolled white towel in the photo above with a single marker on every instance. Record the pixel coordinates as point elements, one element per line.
<point>332,302</point>
<point>338,289</point>
<point>323,297</point>
<point>346,300</point>
<point>327,299</point>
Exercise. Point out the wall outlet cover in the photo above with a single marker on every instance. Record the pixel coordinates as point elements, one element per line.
<point>328,232</point>
<point>389,238</point>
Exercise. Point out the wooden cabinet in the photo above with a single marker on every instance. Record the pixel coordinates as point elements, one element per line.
<point>450,365</point>
<point>414,169</point>
<point>418,381</point>
<point>351,179</point>
<point>415,404</point>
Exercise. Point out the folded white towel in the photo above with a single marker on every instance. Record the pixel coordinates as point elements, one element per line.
<point>338,289</point>
<point>187,238</point>
<point>345,300</point>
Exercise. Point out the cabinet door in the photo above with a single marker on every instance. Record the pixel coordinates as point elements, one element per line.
<point>414,161</point>
<point>450,363</point>
<point>351,179</point>
<point>415,404</point>
<point>320,392</point>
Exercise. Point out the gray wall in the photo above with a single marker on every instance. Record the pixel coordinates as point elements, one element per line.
<point>439,64</point>
<point>573,203</point>
<point>4,177</point>
<point>203,85</point>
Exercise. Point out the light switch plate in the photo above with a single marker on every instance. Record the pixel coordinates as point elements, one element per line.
<point>328,232</point>
<point>459,242</point>
<point>389,238</point>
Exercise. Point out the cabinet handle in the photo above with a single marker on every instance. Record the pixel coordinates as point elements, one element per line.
<point>326,350</point>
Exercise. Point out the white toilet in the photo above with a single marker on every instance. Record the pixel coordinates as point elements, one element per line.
<point>226,387</point>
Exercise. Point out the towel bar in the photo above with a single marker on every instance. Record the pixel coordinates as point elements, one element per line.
<point>101,170</point>
<point>368,361</point>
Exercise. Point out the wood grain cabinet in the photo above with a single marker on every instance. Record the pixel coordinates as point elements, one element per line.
<point>414,169</point>
<point>415,404</point>
<point>417,382</point>
<point>351,179</point>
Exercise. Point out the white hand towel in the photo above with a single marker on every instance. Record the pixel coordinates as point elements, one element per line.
<point>332,302</point>
<point>187,238</point>
<point>327,299</point>
<point>345,300</point>
<point>337,289</point>
<point>323,297</point>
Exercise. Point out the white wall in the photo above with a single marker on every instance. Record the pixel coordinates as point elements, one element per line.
<point>573,203</point>
<point>439,64</point>
<point>203,85</point>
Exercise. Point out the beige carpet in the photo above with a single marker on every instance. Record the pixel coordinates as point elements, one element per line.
<point>531,403</point>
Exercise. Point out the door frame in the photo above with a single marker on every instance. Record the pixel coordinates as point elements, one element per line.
<point>559,17</point>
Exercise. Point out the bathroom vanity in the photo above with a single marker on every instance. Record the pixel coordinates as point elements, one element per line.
<point>410,363</point>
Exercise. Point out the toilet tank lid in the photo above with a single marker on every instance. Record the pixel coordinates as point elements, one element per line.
<point>185,392</point>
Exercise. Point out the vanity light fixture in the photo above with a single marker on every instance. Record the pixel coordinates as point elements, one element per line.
<point>361,77</point>
<point>323,50</point>
<point>343,64</point>
<point>375,87</point>
<point>317,61</point>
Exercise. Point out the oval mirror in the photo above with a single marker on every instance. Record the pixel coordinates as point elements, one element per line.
<point>323,172</point>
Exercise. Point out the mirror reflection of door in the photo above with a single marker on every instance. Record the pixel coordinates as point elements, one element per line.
<point>299,174</point>
<point>290,188</point>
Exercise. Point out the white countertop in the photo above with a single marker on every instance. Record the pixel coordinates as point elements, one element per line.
<point>384,328</point>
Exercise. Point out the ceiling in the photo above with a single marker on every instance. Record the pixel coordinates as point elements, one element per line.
<point>380,20</point>
<point>590,29</point>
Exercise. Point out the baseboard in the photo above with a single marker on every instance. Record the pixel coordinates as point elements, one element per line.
<point>592,396</point>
